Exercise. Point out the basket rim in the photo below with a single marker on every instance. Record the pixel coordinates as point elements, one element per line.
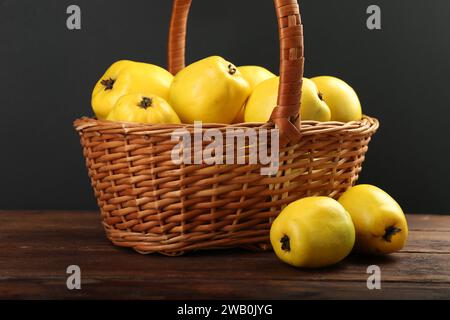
<point>367,124</point>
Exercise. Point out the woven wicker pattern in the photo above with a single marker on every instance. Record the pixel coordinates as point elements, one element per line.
<point>151,204</point>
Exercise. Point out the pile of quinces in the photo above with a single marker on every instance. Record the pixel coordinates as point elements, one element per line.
<point>212,90</point>
<point>310,232</point>
<point>320,231</point>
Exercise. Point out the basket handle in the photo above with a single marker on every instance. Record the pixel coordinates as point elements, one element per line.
<point>286,113</point>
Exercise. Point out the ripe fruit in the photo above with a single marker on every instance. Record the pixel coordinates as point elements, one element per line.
<point>340,98</point>
<point>263,100</point>
<point>313,232</point>
<point>313,107</point>
<point>255,75</point>
<point>141,108</point>
<point>379,221</point>
<point>211,90</point>
<point>124,77</point>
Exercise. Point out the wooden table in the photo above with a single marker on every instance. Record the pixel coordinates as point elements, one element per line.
<point>36,247</point>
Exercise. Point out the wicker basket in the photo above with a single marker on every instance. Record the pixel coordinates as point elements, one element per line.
<point>151,204</point>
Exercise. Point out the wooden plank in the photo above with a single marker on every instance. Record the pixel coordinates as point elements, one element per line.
<point>225,265</point>
<point>66,242</point>
<point>429,222</point>
<point>37,247</point>
<point>95,239</point>
<point>91,219</point>
<point>428,242</point>
<point>188,289</point>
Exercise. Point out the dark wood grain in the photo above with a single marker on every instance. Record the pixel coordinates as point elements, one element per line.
<point>37,246</point>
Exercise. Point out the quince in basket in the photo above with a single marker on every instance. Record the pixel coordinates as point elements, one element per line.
<point>136,107</point>
<point>211,90</point>
<point>126,77</point>
<point>254,76</point>
<point>340,98</point>
<point>323,99</point>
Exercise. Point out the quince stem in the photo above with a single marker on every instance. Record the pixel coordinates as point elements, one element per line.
<point>389,232</point>
<point>231,69</point>
<point>285,244</point>
<point>108,83</point>
<point>146,102</point>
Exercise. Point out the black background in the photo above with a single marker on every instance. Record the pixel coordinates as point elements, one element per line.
<point>47,72</point>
